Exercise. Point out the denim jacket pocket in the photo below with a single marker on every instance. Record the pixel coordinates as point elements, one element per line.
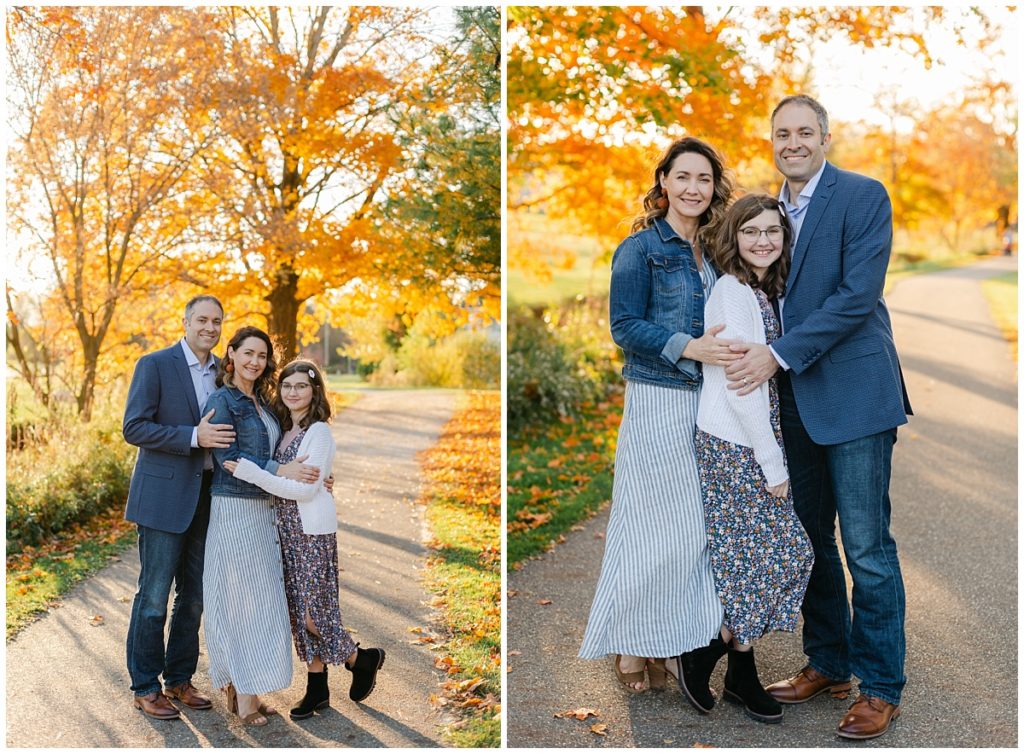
<point>669,285</point>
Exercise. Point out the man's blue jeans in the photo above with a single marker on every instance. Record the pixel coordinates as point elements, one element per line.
<point>168,557</point>
<point>850,479</point>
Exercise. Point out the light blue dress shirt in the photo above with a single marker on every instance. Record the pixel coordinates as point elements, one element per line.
<point>204,383</point>
<point>796,213</point>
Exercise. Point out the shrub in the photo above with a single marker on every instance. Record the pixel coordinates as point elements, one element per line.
<point>465,359</point>
<point>481,359</point>
<point>546,379</point>
<point>77,472</point>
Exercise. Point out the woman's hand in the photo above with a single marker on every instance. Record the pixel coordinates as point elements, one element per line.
<point>297,471</point>
<point>231,466</point>
<point>779,490</point>
<point>707,349</point>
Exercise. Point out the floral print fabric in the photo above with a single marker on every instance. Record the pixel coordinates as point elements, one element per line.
<point>760,555</point>
<point>310,580</point>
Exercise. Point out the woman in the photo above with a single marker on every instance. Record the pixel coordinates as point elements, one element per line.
<point>246,612</point>
<point>760,554</point>
<point>656,595</point>
<point>307,524</point>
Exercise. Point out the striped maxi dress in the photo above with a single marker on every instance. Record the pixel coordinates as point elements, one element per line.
<point>248,635</point>
<point>656,593</point>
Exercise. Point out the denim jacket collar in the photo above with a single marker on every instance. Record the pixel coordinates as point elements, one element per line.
<point>237,395</point>
<point>666,232</point>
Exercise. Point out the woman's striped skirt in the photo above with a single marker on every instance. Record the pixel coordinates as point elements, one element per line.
<point>248,636</point>
<point>656,593</point>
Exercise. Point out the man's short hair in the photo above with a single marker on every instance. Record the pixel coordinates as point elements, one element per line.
<point>191,305</point>
<point>804,99</point>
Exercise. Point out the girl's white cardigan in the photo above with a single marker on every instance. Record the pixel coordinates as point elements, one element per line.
<point>316,505</point>
<point>744,420</point>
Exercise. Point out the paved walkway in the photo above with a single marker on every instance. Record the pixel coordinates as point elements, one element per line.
<point>67,685</point>
<point>954,493</point>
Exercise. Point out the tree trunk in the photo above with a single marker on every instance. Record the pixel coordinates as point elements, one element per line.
<point>87,393</point>
<point>284,313</point>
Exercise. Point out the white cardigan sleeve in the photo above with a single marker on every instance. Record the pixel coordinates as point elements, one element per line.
<point>318,444</point>
<point>735,306</point>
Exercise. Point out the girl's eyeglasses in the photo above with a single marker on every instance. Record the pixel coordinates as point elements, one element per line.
<point>773,233</point>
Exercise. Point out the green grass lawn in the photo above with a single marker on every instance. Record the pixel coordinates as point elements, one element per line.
<point>463,507</point>
<point>587,276</point>
<point>558,476</point>
<point>38,577</point>
<point>1001,294</point>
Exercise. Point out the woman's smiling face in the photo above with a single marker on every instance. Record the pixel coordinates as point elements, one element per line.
<point>689,185</point>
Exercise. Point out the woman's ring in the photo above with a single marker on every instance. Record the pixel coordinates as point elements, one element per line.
<point>746,380</point>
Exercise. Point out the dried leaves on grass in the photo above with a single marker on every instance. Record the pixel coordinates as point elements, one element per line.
<point>463,498</point>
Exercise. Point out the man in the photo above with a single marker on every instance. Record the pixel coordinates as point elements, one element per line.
<point>169,500</point>
<point>842,397</point>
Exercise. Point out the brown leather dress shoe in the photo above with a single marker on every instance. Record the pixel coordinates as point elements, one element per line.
<point>186,694</point>
<point>868,717</point>
<point>158,706</point>
<point>807,684</point>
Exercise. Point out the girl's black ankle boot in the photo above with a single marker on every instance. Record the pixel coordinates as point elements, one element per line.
<point>364,672</point>
<point>695,668</point>
<point>317,697</point>
<point>743,686</point>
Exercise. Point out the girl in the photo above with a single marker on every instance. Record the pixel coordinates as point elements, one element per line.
<point>760,554</point>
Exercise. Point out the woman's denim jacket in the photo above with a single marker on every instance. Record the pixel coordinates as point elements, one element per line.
<point>232,406</point>
<point>657,306</point>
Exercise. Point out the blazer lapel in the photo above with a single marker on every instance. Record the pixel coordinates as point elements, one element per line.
<point>815,211</point>
<point>181,367</point>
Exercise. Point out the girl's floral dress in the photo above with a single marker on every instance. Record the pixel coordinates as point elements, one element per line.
<point>760,555</point>
<point>310,580</point>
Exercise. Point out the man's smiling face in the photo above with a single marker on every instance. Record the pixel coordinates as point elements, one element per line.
<point>798,145</point>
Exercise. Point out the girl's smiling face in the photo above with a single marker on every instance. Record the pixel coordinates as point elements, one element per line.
<point>760,241</point>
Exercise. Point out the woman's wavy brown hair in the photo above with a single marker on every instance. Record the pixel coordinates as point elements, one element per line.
<point>264,387</point>
<point>725,251</point>
<point>319,406</point>
<point>656,203</point>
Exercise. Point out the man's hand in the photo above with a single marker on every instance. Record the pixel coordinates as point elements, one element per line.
<point>214,435</point>
<point>707,349</point>
<point>329,484</point>
<point>298,471</point>
<point>757,365</point>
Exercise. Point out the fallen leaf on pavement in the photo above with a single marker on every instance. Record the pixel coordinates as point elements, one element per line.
<point>96,620</point>
<point>599,728</point>
<point>543,602</point>
<point>580,714</point>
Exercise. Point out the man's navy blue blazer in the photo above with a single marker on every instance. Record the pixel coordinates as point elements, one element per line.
<point>159,416</point>
<point>838,338</point>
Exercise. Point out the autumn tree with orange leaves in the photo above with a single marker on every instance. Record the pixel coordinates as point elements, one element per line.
<point>595,93</point>
<point>250,153</point>
<point>106,131</point>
